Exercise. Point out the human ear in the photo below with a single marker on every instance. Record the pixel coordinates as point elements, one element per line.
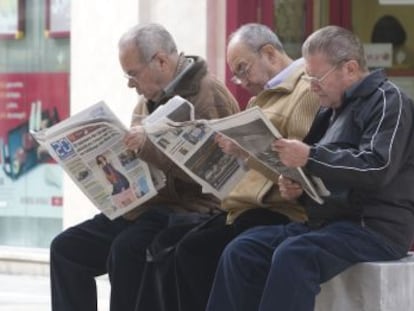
<point>161,60</point>
<point>352,67</point>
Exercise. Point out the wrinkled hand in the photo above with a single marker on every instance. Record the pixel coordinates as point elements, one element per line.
<point>229,147</point>
<point>135,138</point>
<point>289,189</point>
<point>292,152</point>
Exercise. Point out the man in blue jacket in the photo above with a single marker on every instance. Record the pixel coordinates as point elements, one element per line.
<point>360,145</point>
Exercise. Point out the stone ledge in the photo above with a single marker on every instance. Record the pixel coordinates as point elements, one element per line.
<point>371,286</point>
<point>23,260</point>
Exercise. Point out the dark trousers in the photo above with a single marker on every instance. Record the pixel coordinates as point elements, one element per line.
<point>184,274</point>
<point>157,291</point>
<point>281,267</point>
<point>98,246</point>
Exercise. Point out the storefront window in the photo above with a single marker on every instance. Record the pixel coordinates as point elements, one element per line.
<point>34,94</point>
<point>295,19</point>
<point>388,35</point>
<point>386,24</point>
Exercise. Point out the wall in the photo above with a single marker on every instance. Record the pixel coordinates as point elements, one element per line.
<point>185,19</point>
<point>216,37</point>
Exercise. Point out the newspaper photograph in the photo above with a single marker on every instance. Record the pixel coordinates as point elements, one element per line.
<point>90,149</point>
<point>192,147</point>
<point>254,133</point>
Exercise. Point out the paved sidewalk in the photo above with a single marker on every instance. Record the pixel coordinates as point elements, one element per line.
<point>32,293</point>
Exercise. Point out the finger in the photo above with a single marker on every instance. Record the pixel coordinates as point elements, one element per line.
<point>217,138</point>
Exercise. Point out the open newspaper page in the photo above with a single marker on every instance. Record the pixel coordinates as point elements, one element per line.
<point>191,146</point>
<point>253,132</point>
<point>89,147</point>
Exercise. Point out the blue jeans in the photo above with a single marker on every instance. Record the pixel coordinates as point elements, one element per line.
<point>281,267</point>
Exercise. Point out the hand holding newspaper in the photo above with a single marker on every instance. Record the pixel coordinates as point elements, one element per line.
<point>254,133</point>
<point>89,147</point>
<point>191,145</point>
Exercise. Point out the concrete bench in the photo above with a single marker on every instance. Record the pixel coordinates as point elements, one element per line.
<point>374,286</point>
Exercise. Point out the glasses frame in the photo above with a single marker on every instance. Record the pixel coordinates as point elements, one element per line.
<point>242,73</point>
<point>138,73</point>
<point>319,81</point>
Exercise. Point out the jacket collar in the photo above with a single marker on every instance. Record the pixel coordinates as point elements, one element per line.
<point>187,80</point>
<point>366,86</point>
<point>362,88</point>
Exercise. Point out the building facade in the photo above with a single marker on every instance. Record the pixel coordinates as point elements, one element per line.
<point>59,57</point>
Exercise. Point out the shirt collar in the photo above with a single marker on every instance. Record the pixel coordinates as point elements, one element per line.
<point>277,79</point>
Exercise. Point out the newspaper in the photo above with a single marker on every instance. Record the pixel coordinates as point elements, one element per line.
<point>89,146</point>
<point>254,133</point>
<point>191,145</point>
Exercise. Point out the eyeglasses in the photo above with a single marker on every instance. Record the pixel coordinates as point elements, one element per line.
<point>241,74</point>
<point>319,81</point>
<point>134,75</point>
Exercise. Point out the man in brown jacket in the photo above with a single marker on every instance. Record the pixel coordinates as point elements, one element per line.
<point>152,65</point>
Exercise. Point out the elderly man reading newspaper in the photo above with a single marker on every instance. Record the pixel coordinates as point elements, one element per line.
<point>154,68</point>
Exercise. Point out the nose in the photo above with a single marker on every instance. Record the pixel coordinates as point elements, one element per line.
<point>244,84</point>
<point>131,83</point>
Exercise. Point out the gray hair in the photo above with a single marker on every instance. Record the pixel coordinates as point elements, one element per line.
<point>337,44</point>
<point>255,36</point>
<point>149,39</point>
